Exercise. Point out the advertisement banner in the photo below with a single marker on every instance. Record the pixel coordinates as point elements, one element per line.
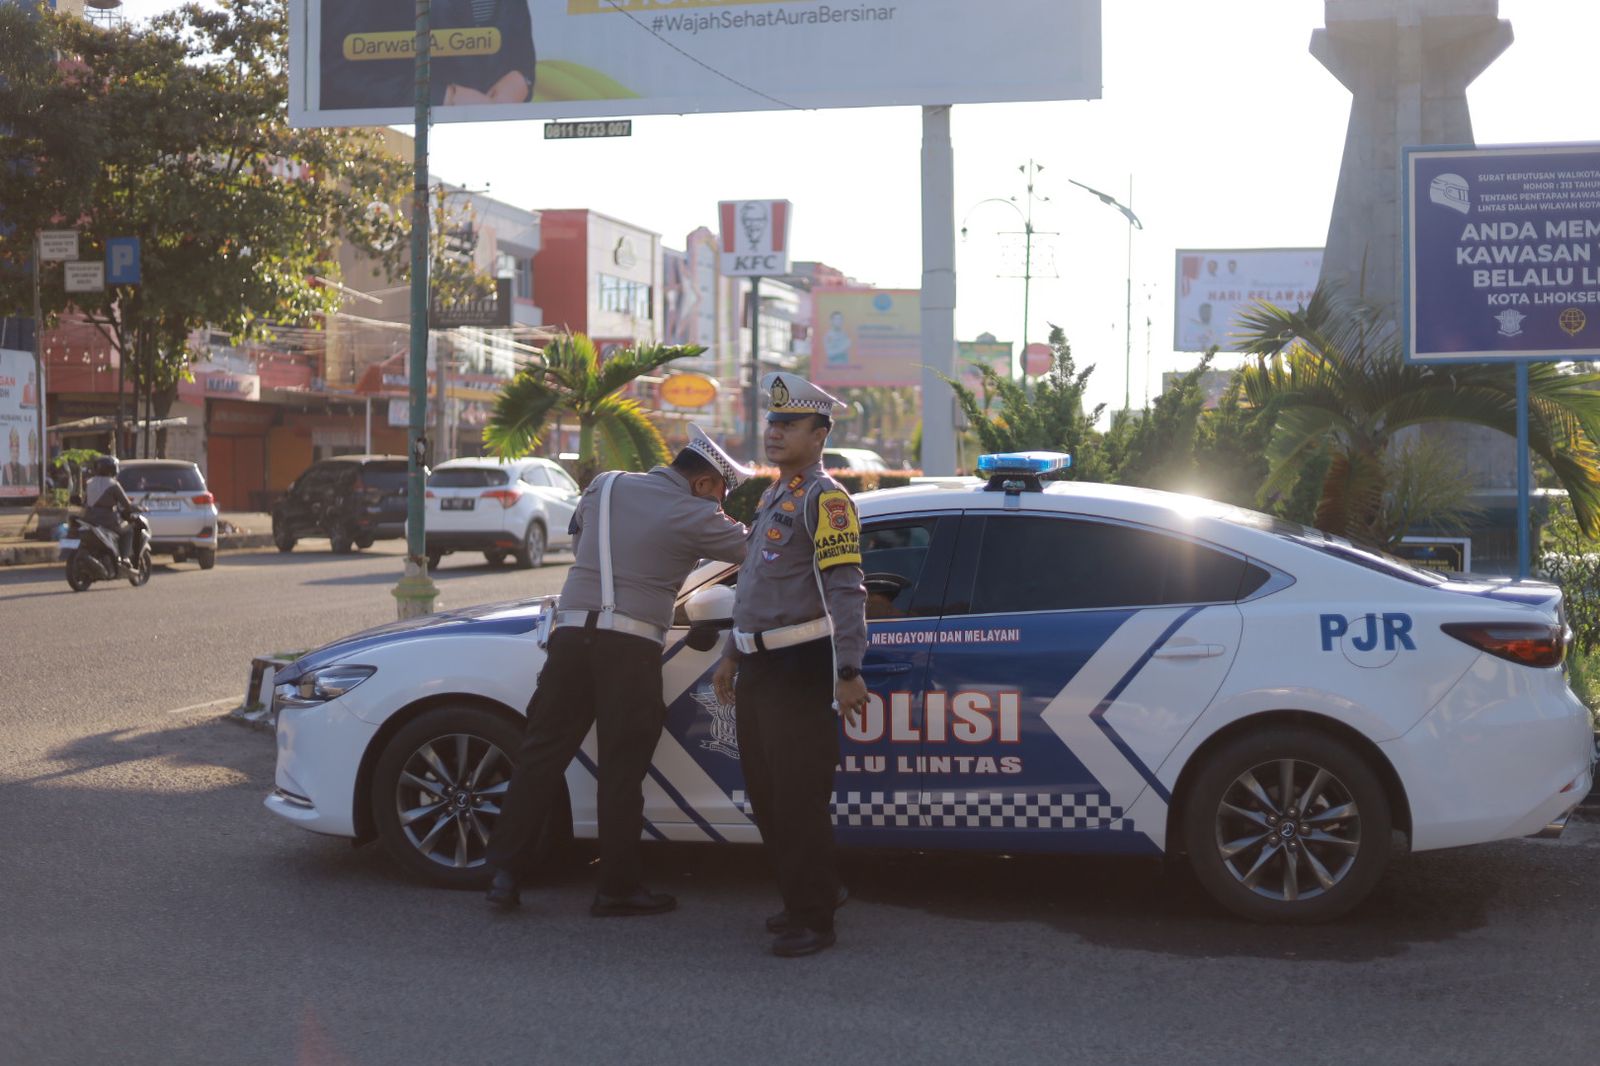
<point>972,354</point>
<point>866,337</point>
<point>1499,253</point>
<point>19,425</point>
<point>1212,287</point>
<point>350,61</point>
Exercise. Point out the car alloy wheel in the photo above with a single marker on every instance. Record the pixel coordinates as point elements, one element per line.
<point>448,797</point>
<point>1287,824</point>
<point>531,554</point>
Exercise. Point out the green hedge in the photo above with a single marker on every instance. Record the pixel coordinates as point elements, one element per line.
<point>741,503</point>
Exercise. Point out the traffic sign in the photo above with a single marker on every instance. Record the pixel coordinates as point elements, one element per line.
<point>122,260</point>
<point>85,276</point>
<point>58,244</point>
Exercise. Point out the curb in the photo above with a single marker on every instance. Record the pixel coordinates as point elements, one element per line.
<point>49,551</point>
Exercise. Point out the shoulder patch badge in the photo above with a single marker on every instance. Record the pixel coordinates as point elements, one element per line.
<point>838,530</point>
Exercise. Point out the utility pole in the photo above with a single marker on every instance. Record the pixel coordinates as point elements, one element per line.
<point>38,370</point>
<point>753,397</point>
<point>1127,329</point>
<point>1029,171</point>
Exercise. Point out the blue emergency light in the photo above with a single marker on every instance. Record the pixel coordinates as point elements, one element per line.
<point>1017,472</point>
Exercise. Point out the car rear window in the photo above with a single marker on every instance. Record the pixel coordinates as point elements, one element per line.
<point>388,477</point>
<point>1337,547</point>
<point>161,479</point>
<point>468,477</point>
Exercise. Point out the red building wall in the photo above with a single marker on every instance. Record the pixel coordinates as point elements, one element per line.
<point>561,269</point>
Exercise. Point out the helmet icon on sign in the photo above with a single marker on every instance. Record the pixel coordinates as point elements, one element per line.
<point>1452,191</point>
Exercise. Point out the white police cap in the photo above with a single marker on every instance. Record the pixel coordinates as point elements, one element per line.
<point>703,446</point>
<point>790,397</point>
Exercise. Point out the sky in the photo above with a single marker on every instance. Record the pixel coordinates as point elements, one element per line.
<point>1229,131</point>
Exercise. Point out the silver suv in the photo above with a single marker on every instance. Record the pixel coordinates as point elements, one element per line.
<point>182,511</point>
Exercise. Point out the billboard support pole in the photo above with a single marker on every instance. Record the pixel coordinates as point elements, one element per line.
<point>1523,471</point>
<point>753,396</point>
<point>938,291</point>
<point>416,594</point>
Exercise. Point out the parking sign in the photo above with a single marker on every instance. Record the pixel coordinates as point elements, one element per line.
<point>122,261</point>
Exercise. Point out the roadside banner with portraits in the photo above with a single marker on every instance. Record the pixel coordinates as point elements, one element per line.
<point>866,337</point>
<point>20,454</point>
<point>1213,287</point>
<point>351,61</point>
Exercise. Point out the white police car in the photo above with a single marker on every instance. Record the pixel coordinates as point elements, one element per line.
<point>1060,668</point>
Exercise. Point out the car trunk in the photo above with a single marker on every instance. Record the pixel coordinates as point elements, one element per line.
<point>467,498</point>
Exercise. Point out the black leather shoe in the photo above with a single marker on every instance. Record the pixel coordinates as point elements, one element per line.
<point>797,942</point>
<point>504,891</point>
<point>641,902</point>
<point>781,922</point>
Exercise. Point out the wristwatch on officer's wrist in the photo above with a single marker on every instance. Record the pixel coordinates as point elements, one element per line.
<point>848,673</point>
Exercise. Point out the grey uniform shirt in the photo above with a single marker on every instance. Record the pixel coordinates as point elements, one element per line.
<point>804,527</point>
<point>659,531</point>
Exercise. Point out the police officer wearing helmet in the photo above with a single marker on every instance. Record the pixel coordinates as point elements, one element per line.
<point>635,538</point>
<point>799,633</point>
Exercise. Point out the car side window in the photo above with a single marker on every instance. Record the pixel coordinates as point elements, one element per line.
<point>562,480</point>
<point>897,557</point>
<point>536,475</point>
<point>1037,563</point>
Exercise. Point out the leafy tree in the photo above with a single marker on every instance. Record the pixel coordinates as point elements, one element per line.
<point>1047,415</point>
<point>1332,378</point>
<point>177,134</point>
<point>613,432</point>
<point>1159,450</point>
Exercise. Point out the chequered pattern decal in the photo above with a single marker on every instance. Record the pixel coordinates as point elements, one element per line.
<point>972,810</point>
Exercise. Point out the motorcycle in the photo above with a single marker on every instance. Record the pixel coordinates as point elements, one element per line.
<point>90,552</point>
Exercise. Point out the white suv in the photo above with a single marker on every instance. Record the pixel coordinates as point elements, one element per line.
<point>181,510</point>
<point>516,507</point>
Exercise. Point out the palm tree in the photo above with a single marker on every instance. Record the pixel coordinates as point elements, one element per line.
<point>571,380</point>
<point>1333,375</point>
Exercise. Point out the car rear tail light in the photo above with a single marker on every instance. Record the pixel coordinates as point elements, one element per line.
<point>508,497</point>
<point>1528,643</point>
<point>205,499</point>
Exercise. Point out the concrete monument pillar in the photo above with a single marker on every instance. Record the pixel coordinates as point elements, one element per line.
<point>1407,64</point>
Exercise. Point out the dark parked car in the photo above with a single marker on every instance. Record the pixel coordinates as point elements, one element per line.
<point>352,500</point>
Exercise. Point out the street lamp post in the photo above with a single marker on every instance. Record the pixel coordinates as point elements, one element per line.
<point>1127,329</point>
<point>1029,171</point>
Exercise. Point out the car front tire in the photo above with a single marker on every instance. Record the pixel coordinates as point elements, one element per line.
<point>436,795</point>
<point>1287,825</point>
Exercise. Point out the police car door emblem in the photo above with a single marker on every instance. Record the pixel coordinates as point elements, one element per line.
<point>724,735</point>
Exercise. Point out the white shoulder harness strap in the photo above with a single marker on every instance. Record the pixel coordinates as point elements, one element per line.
<point>608,587</point>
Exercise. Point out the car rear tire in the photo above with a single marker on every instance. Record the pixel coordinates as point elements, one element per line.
<point>531,554</point>
<point>434,559</point>
<point>1287,825</point>
<point>206,557</point>
<point>281,538</point>
<point>363,543</point>
<point>435,795</point>
<point>141,569</point>
<point>494,558</point>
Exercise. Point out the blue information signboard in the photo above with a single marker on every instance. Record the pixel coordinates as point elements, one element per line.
<point>1502,253</point>
<point>122,261</point>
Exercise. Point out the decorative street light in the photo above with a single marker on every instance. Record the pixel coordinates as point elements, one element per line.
<point>1127,329</point>
<point>1028,171</point>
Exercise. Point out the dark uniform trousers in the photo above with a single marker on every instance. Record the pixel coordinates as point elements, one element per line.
<point>789,748</point>
<point>591,677</point>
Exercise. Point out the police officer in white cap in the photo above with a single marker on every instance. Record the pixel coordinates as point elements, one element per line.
<point>636,537</point>
<point>800,630</point>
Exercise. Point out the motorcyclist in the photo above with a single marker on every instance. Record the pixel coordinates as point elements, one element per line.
<point>109,505</point>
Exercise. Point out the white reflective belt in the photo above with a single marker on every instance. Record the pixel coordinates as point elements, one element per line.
<point>783,637</point>
<point>608,588</point>
<point>621,623</point>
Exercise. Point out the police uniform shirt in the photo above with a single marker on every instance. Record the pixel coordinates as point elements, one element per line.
<point>802,527</point>
<point>659,530</point>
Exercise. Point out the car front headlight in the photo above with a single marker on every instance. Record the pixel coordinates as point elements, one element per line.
<point>320,686</point>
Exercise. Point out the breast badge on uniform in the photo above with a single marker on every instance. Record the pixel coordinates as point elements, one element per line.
<point>838,531</point>
<point>769,556</point>
<point>773,533</point>
<point>787,505</point>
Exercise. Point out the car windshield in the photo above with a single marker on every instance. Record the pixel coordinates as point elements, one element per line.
<point>161,479</point>
<point>1327,544</point>
<point>468,477</point>
<point>386,477</point>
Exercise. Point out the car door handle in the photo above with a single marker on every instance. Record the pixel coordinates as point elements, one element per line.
<point>886,668</point>
<point>1190,651</point>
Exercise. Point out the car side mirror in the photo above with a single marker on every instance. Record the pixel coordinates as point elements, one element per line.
<point>710,611</point>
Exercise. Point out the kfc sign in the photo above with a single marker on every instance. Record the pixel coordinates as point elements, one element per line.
<point>755,237</point>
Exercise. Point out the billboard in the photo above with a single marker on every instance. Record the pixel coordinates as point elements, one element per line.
<point>19,425</point>
<point>971,354</point>
<point>1499,253</point>
<point>1212,287</point>
<point>866,337</point>
<point>755,237</point>
<point>350,61</point>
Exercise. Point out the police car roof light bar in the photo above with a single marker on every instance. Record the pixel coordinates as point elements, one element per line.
<point>1014,472</point>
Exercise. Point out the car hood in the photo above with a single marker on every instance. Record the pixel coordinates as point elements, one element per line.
<point>490,619</point>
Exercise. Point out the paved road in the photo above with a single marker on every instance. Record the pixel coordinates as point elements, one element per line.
<point>153,912</point>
